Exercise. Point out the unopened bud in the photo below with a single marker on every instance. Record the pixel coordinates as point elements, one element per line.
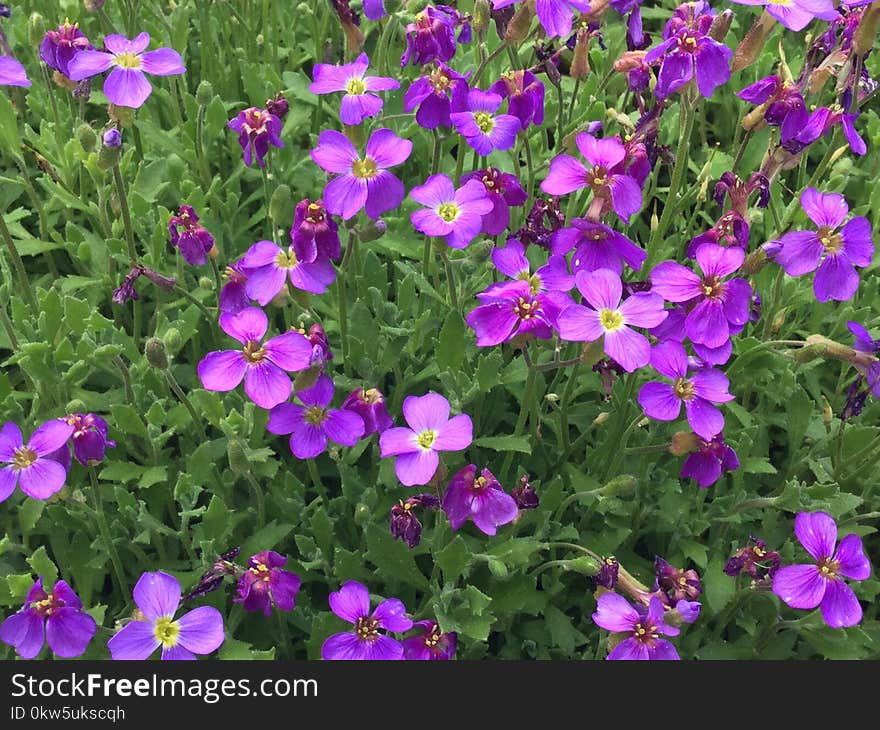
<point>172,340</point>
<point>206,283</point>
<point>481,250</point>
<point>720,26</point>
<point>36,29</point>
<point>156,354</point>
<point>93,6</point>
<point>305,379</point>
<point>362,514</point>
<point>863,39</point>
<point>76,406</point>
<point>827,412</point>
<point>498,569</point>
<point>238,461</point>
<point>754,262</point>
<point>281,204</point>
<point>112,138</point>
<point>580,62</point>
<point>108,157</point>
<point>683,442</point>
<point>371,230</point>
<point>88,140</point>
<point>520,23</point>
<point>811,352</point>
<point>778,321</point>
<point>750,46</point>
<point>204,93</point>
<point>600,419</point>
<point>585,565</point>
<point>482,14</point>
<point>619,486</point>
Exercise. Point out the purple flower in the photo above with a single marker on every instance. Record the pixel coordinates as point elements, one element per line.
<point>717,306</point>
<point>525,95</point>
<point>795,14</point>
<point>314,233</point>
<point>361,182</point>
<point>430,643</point>
<point>404,524</point>
<point>157,596</point>
<point>478,498</point>
<point>369,404</point>
<point>321,352</point>
<point>611,189</point>
<point>233,297</point>
<point>112,138</point>
<point>535,230</point>
<point>312,424</point>
<point>60,46</point>
<point>511,309</point>
<point>127,83</point>
<point>699,392</point>
<point>352,604</point>
<point>68,629</point>
<point>126,289</point>
<point>213,578</point>
<point>12,73</point>
<point>504,191</point>
<point>190,237</point>
<point>436,94</point>
<point>32,467</point>
<point>597,247</point>
<point>821,583</point>
<point>609,572</point>
<point>642,628</point>
<point>511,261</point>
<point>482,127</point>
<point>785,106</point>
<point>264,585</point>
<point>755,560</point>
<point>256,128</point>
<point>524,494</point>
<point>374,9</point>
<point>868,345</point>
<point>709,461</point>
<point>456,215</point>
<point>430,429</point>
<point>261,366</point>
<point>431,37</point>
<point>357,104</point>
<point>609,318</point>
<point>834,253</point>
<point>674,584</point>
<point>555,16</point>
<point>269,267</point>
<point>687,51</point>
<point>89,437</point>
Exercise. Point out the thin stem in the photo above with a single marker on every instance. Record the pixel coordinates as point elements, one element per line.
<point>316,480</point>
<point>524,408</point>
<point>18,265</point>
<point>258,496</point>
<point>450,280</point>
<point>126,213</point>
<point>126,378</point>
<point>475,80</point>
<point>104,529</point>
<point>182,397</point>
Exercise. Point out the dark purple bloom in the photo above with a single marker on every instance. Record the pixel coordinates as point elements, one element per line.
<point>675,584</point>
<point>56,617</point>
<point>233,295</point>
<point>278,105</point>
<point>374,9</point>
<point>597,247</point>
<point>834,253</point>
<point>369,404</point>
<point>262,366</point>
<point>821,583</point>
<point>313,424</point>
<point>193,240</point>
<point>89,437</point>
<point>264,584</point>
<point>126,289</point>
<point>611,189</point>
<point>756,560</point>
<point>321,352</point>
<point>430,644</point>
<point>352,604</point>
<point>869,370</point>
<point>361,182</point>
<point>270,267</point>
<point>511,261</point>
<point>257,128</point>
<point>454,214</point>
<point>404,524</point>
<point>524,494</point>
<point>511,309</point>
<point>60,46</point>
<point>314,233</point>
<point>478,498</point>
<point>32,466</point>
<point>504,191</point>
<point>358,103</point>
<point>717,305</point>
<point>784,105</point>
<point>795,14</point>
<point>480,124</point>
<point>608,573</point>
<point>436,94</point>
<point>525,95</point>
<point>157,596</point>
<point>609,318</point>
<point>709,461</point>
<point>12,73</point>
<point>429,430</point>
<point>431,37</point>
<point>535,230</point>
<point>127,83</point>
<point>642,628</point>
<point>213,578</point>
<point>698,392</point>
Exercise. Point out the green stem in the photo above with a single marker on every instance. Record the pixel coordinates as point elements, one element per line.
<point>475,79</point>
<point>181,396</point>
<point>258,497</point>
<point>126,379</point>
<point>316,480</point>
<point>18,265</point>
<point>450,280</point>
<point>524,408</point>
<point>104,529</point>
<point>126,213</point>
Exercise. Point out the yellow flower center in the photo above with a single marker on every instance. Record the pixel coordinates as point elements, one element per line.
<point>526,310</point>
<point>610,319</point>
<point>23,457</point>
<point>448,212</point>
<point>426,438</point>
<point>828,568</point>
<point>533,279</point>
<point>262,571</point>
<point>166,632</point>
<point>484,122</point>
<point>355,86</point>
<point>128,60</point>
<point>286,260</point>
<point>831,242</point>
<point>433,638</point>
<point>364,169</point>
<point>712,287</point>
<point>253,352</point>
<point>366,629</point>
<point>645,633</point>
<point>684,389</point>
<point>315,415</point>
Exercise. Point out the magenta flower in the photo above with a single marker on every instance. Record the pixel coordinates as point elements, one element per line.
<point>436,94</point>
<point>56,616</point>
<point>504,191</point>
<point>511,261</point>
<point>369,404</point>
<point>192,240</point>
<point>785,105</point>
<point>12,73</point>
<point>257,129</point>
<point>709,461</point>
<point>269,267</point>
<point>312,424</point>
<point>89,437</point>
<point>699,392</point>
<point>457,215</point>
<point>643,628</point>
<point>834,253</point>
<point>157,596</point>
<point>609,318</point>
<point>611,188</point>
<point>795,14</point>
<point>352,604</point>
<point>430,429</point>
<point>718,306</point>
<point>60,46</point>
<point>510,309</point>
<point>863,342</point>
<point>261,366</point>
<point>33,467</point>
<point>233,297</point>
<point>555,16</point>
<point>264,584</point>
<point>596,247</point>
<point>821,583</point>
<point>482,127</point>
<point>361,182</point>
<point>358,103</point>
<point>127,84</point>
<point>525,95</point>
<point>431,37</point>
<point>314,233</point>
<point>430,644</point>
<point>478,498</point>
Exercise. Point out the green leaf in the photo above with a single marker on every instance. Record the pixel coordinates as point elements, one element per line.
<point>505,443</point>
<point>450,350</point>
<point>8,126</point>
<point>718,586</point>
<point>454,559</point>
<point>393,558</point>
<point>128,420</point>
<point>44,567</point>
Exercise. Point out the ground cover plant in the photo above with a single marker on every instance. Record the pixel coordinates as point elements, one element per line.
<point>388,330</point>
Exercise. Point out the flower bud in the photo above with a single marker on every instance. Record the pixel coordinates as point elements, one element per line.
<point>112,138</point>
<point>619,486</point>
<point>580,62</point>
<point>172,340</point>
<point>88,140</point>
<point>827,412</point>
<point>371,230</point>
<point>750,46</point>
<point>810,352</point>
<point>108,157</point>
<point>754,262</point>
<point>362,514</point>
<point>238,461</point>
<point>600,419</point>
<point>281,204</point>
<point>481,250</point>
<point>204,93</point>
<point>518,27</point>
<point>36,29</point>
<point>93,6</point>
<point>206,283</point>
<point>683,443</point>
<point>585,565</point>
<point>75,406</point>
<point>498,569</point>
<point>863,39</point>
<point>720,26</point>
<point>156,354</point>
<point>482,11</point>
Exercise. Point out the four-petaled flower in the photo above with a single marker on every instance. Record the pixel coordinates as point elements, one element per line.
<point>35,466</point>
<point>358,103</point>
<point>430,644</point>
<point>264,584</point>
<point>479,498</point>
<point>456,215</point>
<point>481,125</point>
<point>256,128</point>
<point>642,629</point>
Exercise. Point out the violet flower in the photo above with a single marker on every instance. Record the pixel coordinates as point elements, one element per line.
<point>756,560</point>
<point>611,319</point>
<point>675,584</point>
<point>89,437</point>
<point>431,37</point>
<point>314,234</point>
<point>264,584</point>
<point>127,84</point>
<point>454,214</point>
<point>511,310</point>
<point>504,191</point>
<point>480,124</point>
<point>404,524</point>
<point>795,14</point>
<point>643,628</point>
<point>709,461</point>
<point>374,9</point>
<point>430,644</point>
<point>524,494</point>
<point>863,342</point>
<point>257,129</point>
<point>32,466</point>
<point>436,94</point>
<point>429,430</point>
<point>525,95</point>
<point>190,237</point>
<point>358,103</point>
<point>511,261</point>
<point>369,404</point>
<point>12,73</point>
<point>313,424</point>
<point>785,106</point>
<point>596,247</point>
<point>157,596</point>
<point>269,267</point>
<point>261,366</point>
<point>555,16</point>
<point>56,617</point>
<point>233,297</point>
<point>821,583</point>
<point>352,604</point>
<point>361,182</point>
<point>60,46</point>
<point>834,253</point>
<point>478,498</point>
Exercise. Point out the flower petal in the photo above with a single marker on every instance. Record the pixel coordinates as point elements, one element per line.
<point>391,614</point>
<point>267,385</point>
<point>291,351</point>
<point>343,427</point>
<point>628,348</point>
<point>614,613</point>
<point>135,641</point>
<point>10,440</point>
<point>416,467</point>
<point>396,441</point>
<point>839,606</point>
<point>334,152</point>
<point>50,437</point>
<point>824,209</point>
<point>24,631</point>
<point>426,412</point>
<point>222,371</point>
<point>343,646</point>
<point>659,401</point>
<point>800,586</point>
<point>817,532</point>
<point>386,149</point>
<point>69,631</point>
<point>351,601</point>
<point>127,87</point>
<point>42,479</point>
<point>162,62</point>
<point>201,630</point>
<point>157,595</point>
<point>454,435</point>
<point>88,63</point>
<point>851,556</point>
<point>248,325</point>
